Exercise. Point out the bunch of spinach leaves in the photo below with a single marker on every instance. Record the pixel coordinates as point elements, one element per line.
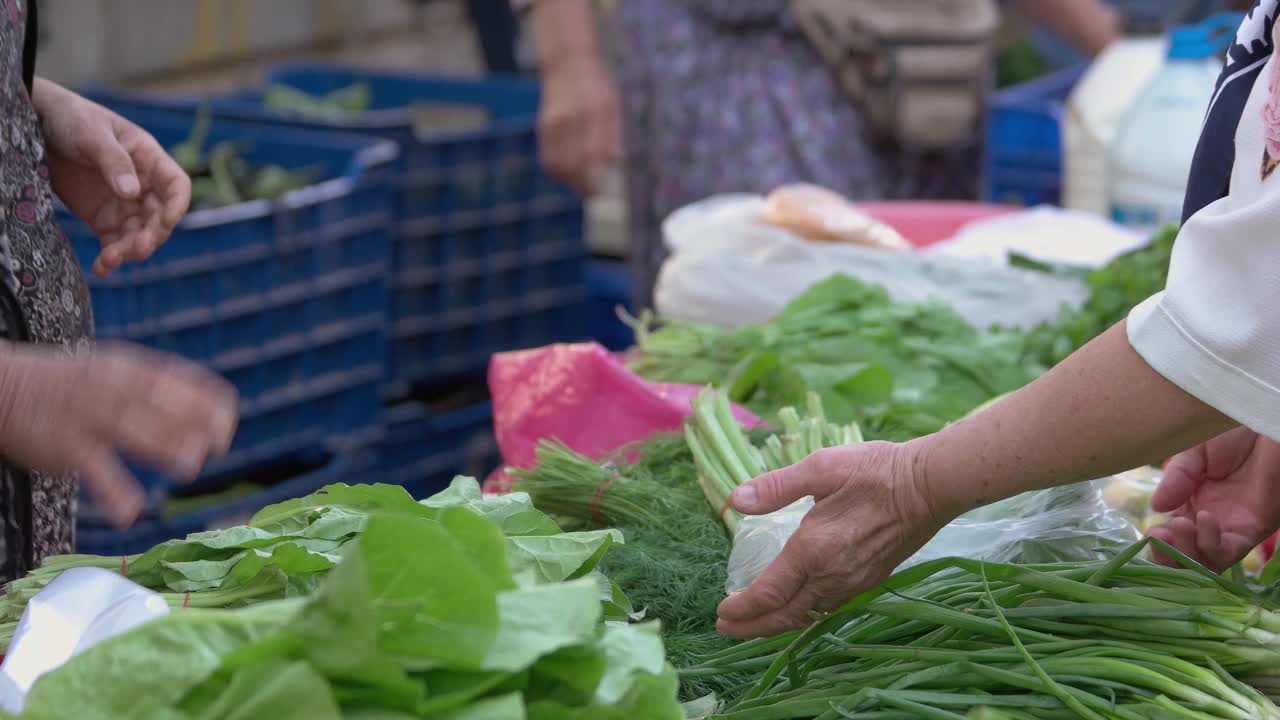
<point>901,370</point>
<point>458,608</point>
<point>288,548</point>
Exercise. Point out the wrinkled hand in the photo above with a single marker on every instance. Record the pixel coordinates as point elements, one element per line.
<point>870,514</point>
<point>112,174</point>
<point>1223,498</point>
<point>580,123</point>
<point>80,414</point>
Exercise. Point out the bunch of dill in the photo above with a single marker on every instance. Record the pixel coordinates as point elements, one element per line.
<point>673,562</point>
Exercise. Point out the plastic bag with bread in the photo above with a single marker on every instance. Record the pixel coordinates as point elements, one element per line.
<point>816,213</point>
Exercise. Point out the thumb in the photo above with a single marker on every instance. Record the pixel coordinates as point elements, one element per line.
<point>1183,476</point>
<point>114,163</point>
<point>778,489</point>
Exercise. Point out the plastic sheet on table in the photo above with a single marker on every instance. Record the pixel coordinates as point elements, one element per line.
<point>583,396</point>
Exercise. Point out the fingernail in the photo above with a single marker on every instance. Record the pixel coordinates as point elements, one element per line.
<point>127,509</point>
<point>227,427</point>
<point>745,495</point>
<point>191,456</point>
<point>128,185</point>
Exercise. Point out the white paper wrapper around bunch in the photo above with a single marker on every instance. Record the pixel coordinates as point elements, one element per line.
<point>77,610</point>
<point>1070,523</point>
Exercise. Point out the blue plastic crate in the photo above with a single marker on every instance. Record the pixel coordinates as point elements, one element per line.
<point>423,451</point>
<point>1022,164</point>
<point>96,538</point>
<point>611,287</point>
<point>490,252</point>
<point>287,298</point>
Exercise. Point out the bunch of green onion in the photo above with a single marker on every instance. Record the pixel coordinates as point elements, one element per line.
<point>726,458</point>
<point>1121,639</point>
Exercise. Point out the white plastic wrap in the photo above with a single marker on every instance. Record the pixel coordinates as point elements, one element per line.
<point>1060,524</point>
<point>77,610</point>
<point>727,268</point>
<point>1045,234</point>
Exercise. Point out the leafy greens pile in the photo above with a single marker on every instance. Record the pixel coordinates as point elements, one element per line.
<point>459,607</point>
<point>288,548</point>
<point>1115,290</point>
<point>899,370</point>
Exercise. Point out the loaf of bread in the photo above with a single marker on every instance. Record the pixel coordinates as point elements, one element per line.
<point>816,213</point>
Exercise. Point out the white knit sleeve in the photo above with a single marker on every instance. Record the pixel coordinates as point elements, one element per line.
<point>1215,330</point>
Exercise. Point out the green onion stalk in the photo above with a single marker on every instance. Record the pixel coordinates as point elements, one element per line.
<point>726,457</point>
<point>1117,639</point>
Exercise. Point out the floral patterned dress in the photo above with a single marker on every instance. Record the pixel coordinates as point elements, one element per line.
<point>729,96</point>
<point>43,296</point>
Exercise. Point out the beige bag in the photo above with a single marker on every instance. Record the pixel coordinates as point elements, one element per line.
<point>918,69</point>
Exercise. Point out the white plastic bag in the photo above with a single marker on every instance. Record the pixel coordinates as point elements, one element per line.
<point>1045,234</point>
<point>1069,523</point>
<point>727,267</point>
<point>77,610</point>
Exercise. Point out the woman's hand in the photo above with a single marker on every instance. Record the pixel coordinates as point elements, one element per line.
<point>580,122</point>
<point>871,512</point>
<point>81,414</point>
<point>1098,412</point>
<point>1223,498</point>
<point>112,174</point>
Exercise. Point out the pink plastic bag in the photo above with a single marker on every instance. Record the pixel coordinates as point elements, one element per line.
<point>583,396</point>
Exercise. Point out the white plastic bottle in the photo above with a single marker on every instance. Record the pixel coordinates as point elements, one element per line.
<point>1151,156</point>
<point>1094,112</point>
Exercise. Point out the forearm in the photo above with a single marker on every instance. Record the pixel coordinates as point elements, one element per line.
<point>565,31</point>
<point>46,94</point>
<point>1089,25</point>
<point>1101,411</point>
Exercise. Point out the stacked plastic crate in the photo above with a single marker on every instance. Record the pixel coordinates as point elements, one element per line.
<point>489,253</point>
<point>285,298</point>
<point>486,252</point>
<point>1022,162</point>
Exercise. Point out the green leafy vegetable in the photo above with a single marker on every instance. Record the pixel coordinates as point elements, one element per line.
<point>1115,290</point>
<point>423,617</point>
<point>288,548</point>
<point>899,370</point>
